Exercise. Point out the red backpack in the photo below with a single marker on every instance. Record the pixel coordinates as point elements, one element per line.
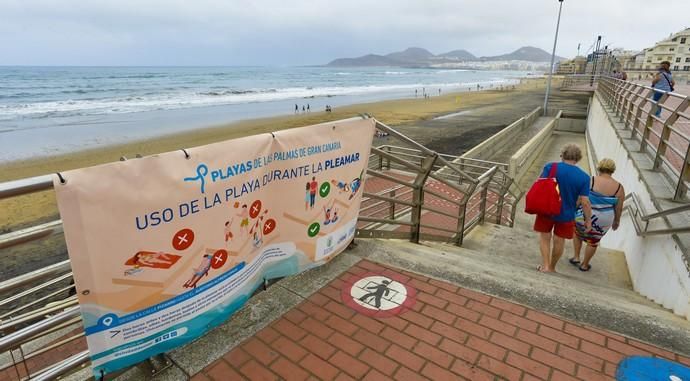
<point>543,197</point>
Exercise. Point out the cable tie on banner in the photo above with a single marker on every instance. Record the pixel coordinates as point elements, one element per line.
<point>62,179</point>
<point>186,155</point>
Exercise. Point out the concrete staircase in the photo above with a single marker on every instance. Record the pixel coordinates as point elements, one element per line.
<point>502,261</point>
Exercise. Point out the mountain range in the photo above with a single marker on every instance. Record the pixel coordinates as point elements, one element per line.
<point>423,57</point>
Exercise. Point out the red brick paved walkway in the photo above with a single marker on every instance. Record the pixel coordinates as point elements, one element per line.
<point>450,334</point>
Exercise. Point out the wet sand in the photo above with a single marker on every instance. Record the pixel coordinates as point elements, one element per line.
<point>478,115</point>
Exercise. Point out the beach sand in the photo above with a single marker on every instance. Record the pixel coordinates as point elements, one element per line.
<point>481,114</point>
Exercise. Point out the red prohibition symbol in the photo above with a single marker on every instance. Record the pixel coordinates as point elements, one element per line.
<point>183,239</point>
<point>255,209</point>
<point>219,259</point>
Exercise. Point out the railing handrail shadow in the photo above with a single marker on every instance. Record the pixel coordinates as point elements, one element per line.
<point>641,218</point>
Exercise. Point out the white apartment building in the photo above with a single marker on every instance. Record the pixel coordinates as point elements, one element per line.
<point>675,49</point>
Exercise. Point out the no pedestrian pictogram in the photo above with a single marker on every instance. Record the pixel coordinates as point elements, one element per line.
<point>378,295</point>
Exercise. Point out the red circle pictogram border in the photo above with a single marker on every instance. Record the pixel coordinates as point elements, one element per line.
<point>409,302</point>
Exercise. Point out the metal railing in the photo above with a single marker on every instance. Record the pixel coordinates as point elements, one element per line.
<point>585,82</point>
<point>39,315</point>
<point>410,192</point>
<point>414,193</point>
<point>641,218</point>
<point>661,125</point>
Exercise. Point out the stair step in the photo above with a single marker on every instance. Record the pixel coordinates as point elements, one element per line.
<point>618,309</point>
<point>515,271</point>
<point>521,248</point>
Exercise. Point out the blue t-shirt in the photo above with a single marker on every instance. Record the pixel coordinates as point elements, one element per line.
<point>573,182</point>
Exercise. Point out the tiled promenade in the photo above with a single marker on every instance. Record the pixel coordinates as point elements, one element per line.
<point>450,333</point>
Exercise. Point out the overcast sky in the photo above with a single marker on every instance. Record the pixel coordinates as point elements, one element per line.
<point>306,32</point>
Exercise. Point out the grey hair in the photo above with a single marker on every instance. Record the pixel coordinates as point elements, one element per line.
<point>571,152</point>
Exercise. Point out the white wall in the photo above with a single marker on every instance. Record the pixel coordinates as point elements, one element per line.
<point>655,262</point>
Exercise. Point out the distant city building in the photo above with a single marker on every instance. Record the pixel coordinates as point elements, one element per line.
<point>575,66</point>
<point>495,65</point>
<point>675,49</point>
<point>601,62</point>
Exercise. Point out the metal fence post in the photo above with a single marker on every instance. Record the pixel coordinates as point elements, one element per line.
<point>681,188</point>
<point>388,161</point>
<point>661,148</point>
<point>461,223</point>
<point>649,123</point>
<point>418,196</point>
<point>638,115</point>
<point>392,205</point>
<point>627,99</point>
<point>501,200</point>
<point>482,205</point>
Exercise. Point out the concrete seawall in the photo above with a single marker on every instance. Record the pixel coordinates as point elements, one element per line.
<point>658,264</point>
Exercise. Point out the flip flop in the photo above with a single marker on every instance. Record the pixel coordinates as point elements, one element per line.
<point>574,261</point>
<point>540,269</point>
<point>589,267</point>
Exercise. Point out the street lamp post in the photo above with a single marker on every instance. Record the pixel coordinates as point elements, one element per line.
<point>553,57</point>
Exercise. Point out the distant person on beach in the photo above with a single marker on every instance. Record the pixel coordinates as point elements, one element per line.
<point>296,109</point>
<point>606,196</point>
<point>415,93</point>
<point>573,184</point>
<point>439,92</point>
<point>308,110</point>
<point>663,80</point>
<point>303,109</point>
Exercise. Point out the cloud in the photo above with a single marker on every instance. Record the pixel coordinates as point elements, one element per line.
<point>299,32</point>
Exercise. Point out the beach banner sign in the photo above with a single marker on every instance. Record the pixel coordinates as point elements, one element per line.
<point>166,247</point>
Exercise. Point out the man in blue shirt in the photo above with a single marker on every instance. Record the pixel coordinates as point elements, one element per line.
<point>573,184</point>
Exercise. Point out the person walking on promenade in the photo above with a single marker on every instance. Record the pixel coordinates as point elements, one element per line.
<point>663,80</point>
<point>573,185</point>
<point>606,196</point>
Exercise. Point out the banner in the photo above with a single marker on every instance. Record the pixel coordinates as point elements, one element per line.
<point>166,247</point>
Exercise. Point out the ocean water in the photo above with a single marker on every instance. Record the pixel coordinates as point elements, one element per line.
<point>50,110</point>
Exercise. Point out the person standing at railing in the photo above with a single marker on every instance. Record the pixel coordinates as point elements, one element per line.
<point>573,185</point>
<point>663,80</point>
<point>606,196</point>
